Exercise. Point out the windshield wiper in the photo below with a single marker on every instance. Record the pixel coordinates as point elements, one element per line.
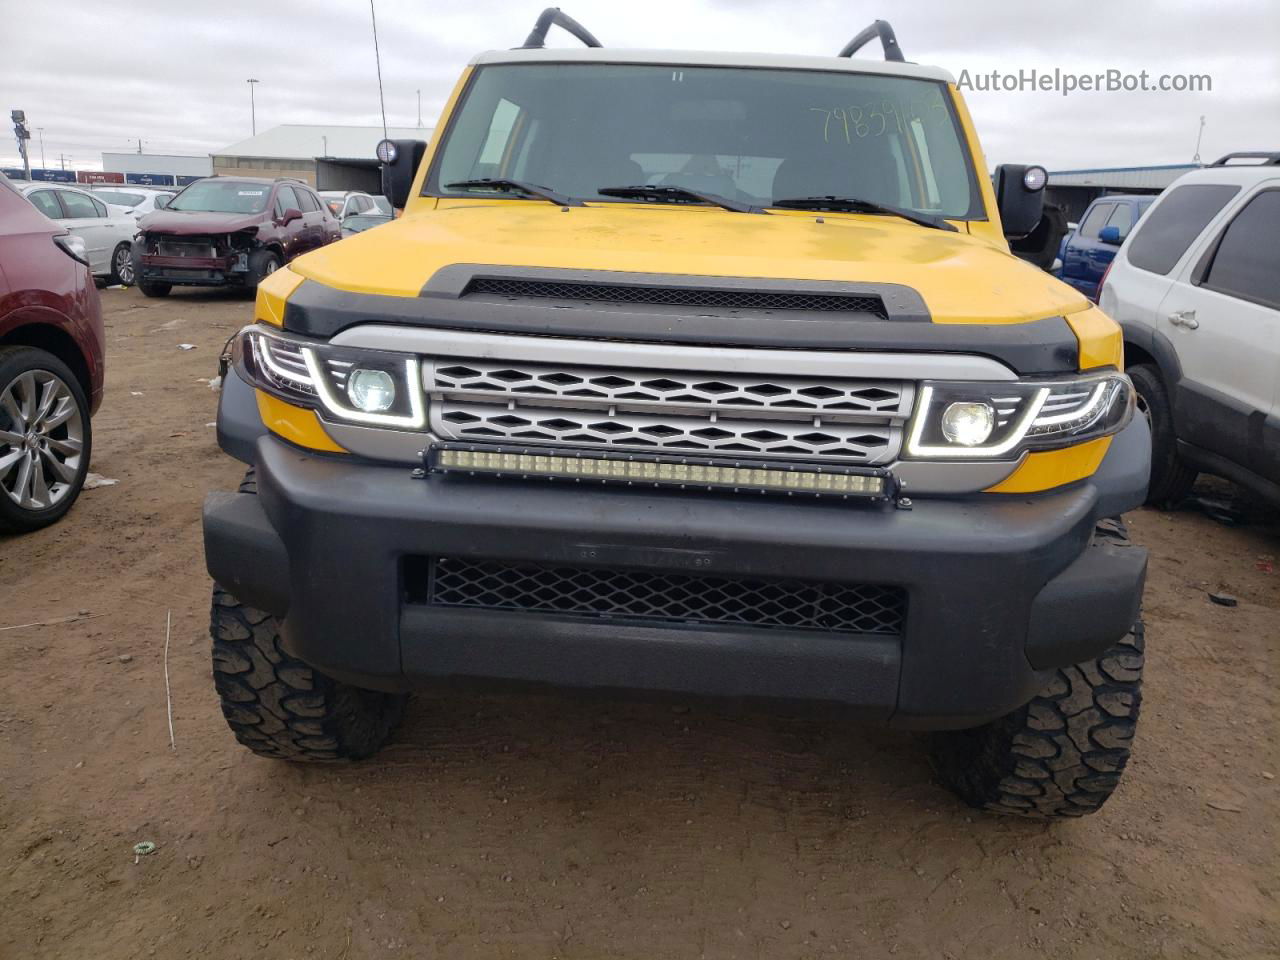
<point>529,189</point>
<point>666,192</point>
<point>856,205</point>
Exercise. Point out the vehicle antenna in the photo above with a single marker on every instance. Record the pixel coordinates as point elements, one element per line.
<point>377,57</point>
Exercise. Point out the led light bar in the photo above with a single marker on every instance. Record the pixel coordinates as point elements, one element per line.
<point>651,471</point>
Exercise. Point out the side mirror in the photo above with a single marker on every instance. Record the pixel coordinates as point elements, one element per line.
<point>162,201</point>
<point>1020,197</point>
<point>290,215</point>
<point>1111,236</point>
<point>400,160</point>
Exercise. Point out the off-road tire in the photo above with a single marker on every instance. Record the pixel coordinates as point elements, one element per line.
<point>279,707</point>
<point>153,289</point>
<point>1063,753</point>
<point>1171,479</point>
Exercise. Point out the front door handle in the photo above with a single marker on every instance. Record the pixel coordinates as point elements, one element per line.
<point>1184,318</point>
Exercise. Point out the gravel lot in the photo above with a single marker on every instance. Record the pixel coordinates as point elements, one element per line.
<point>511,825</point>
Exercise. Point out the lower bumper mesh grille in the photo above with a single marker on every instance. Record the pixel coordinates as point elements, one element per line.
<point>623,594</point>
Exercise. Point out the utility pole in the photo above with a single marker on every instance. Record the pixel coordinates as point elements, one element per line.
<point>253,113</point>
<point>139,139</point>
<point>419,109</point>
<point>62,160</point>
<point>19,118</point>
<point>326,144</point>
<point>40,130</point>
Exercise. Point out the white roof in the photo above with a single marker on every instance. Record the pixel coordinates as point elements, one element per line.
<point>1240,174</point>
<point>301,141</point>
<point>1121,178</point>
<point>711,58</point>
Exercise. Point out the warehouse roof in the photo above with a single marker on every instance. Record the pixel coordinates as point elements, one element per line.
<point>302,141</point>
<point>1121,178</point>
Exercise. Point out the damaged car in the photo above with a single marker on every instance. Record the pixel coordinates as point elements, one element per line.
<point>229,232</point>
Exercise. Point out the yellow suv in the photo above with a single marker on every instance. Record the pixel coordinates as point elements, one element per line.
<point>697,372</point>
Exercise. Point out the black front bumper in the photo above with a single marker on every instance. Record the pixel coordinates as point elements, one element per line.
<point>998,589</point>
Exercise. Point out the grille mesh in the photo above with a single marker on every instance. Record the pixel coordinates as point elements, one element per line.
<point>679,297</point>
<point>851,421</point>
<point>621,594</point>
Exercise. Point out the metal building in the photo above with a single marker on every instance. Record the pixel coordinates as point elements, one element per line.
<point>1074,190</point>
<point>327,157</point>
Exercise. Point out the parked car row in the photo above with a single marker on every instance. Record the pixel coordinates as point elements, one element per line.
<point>107,230</point>
<point>219,231</point>
<point>229,232</point>
<point>136,201</point>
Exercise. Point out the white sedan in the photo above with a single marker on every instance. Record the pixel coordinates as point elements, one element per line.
<point>135,201</point>
<point>107,231</point>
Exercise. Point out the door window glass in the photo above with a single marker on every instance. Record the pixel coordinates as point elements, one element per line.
<point>1247,262</point>
<point>47,203</point>
<point>1093,223</point>
<point>1165,233</point>
<point>286,199</point>
<point>80,207</point>
<point>1121,217</point>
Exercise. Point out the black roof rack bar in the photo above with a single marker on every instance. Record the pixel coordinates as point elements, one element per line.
<point>1268,159</point>
<point>888,40</point>
<point>537,38</point>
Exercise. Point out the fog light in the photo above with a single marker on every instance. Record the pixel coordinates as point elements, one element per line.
<point>371,391</point>
<point>968,424</point>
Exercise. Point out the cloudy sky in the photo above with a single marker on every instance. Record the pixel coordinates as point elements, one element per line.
<point>98,75</point>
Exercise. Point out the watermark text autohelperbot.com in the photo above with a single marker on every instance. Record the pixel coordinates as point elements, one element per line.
<point>1066,82</point>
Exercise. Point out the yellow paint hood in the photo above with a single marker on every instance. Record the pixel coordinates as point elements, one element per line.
<point>963,279</point>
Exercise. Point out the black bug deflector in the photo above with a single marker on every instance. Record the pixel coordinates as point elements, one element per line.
<point>449,301</point>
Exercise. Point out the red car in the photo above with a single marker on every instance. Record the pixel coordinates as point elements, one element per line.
<point>51,355</point>
<point>229,232</point>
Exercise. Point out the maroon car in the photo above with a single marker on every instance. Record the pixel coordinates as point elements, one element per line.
<point>229,232</point>
<point>51,351</point>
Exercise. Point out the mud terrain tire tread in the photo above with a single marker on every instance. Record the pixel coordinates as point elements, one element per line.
<point>1061,755</point>
<point>279,707</point>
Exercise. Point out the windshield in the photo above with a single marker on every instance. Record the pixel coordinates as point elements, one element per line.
<point>223,196</point>
<point>754,135</point>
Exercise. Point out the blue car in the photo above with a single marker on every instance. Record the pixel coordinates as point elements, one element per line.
<point>1088,251</point>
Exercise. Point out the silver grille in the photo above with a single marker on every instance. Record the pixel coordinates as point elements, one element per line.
<point>851,421</point>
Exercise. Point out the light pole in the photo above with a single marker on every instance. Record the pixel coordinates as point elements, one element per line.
<point>40,130</point>
<point>253,115</point>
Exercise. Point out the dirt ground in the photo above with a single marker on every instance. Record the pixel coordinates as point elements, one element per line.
<point>541,826</point>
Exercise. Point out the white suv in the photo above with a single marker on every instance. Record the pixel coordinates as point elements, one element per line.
<point>1197,289</point>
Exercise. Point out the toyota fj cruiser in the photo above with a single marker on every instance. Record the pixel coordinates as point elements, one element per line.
<point>694,372</point>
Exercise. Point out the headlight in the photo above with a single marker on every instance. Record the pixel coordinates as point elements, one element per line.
<point>991,421</point>
<point>371,387</point>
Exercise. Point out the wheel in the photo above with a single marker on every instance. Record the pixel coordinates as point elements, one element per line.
<point>155,289</point>
<point>1063,753</point>
<point>1171,479</point>
<point>122,265</point>
<point>262,263</point>
<point>45,439</point>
